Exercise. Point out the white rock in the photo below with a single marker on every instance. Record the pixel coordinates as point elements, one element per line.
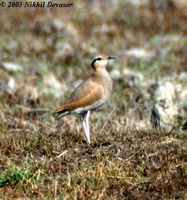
<point>138,2</point>
<point>137,125</point>
<point>183,98</point>
<point>165,110</point>
<point>139,53</point>
<point>168,114</point>
<point>165,92</point>
<point>58,24</point>
<point>12,66</point>
<point>115,74</point>
<point>51,81</point>
<point>128,73</point>
<point>183,75</point>
<point>53,86</point>
<point>11,85</point>
<point>142,125</point>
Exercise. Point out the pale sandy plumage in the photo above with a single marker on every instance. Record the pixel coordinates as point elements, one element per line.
<point>92,93</point>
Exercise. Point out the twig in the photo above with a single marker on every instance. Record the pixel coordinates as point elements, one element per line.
<point>109,115</point>
<point>63,153</point>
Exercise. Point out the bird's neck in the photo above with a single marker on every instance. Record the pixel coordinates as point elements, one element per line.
<point>101,72</point>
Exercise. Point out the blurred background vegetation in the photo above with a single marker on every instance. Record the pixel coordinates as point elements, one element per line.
<point>45,53</point>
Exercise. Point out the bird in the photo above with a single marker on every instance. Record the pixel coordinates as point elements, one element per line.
<point>90,95</point>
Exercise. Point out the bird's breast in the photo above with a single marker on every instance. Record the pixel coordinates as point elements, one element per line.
<point>107,86</point>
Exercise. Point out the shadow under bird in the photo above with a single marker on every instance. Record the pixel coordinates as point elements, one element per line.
<point>90,95</point>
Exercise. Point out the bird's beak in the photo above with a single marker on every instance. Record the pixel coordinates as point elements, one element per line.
<point>111,58</point>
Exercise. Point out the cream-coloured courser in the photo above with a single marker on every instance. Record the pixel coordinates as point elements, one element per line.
<point>90,95</point>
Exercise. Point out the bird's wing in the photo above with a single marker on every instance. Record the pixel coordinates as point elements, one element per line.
<point>87,93</point>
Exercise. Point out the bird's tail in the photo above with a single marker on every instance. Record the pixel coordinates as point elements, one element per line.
<point>60,113</point>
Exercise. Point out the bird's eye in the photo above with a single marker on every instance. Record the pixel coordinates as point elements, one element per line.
<point>99,59</point>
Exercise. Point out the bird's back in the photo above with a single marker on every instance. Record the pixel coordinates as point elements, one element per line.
<point>90,94</point>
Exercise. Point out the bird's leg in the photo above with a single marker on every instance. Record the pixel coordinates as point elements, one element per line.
<point>85,130</point>
<point>85,127</point>
<point>87,121</point>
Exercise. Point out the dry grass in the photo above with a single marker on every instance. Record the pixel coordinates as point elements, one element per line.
<point>40,159</point>
<point>40,162</point>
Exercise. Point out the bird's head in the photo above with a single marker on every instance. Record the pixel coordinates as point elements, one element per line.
<point>101,61</point>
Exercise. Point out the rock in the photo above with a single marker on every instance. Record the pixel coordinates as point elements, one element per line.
<point>165,110</point>
<point>58,24</point>
<point>11,85</point>
<point>139,53</point>
<point>53,86</point>
<point>138,125</point>
<point>182,96</point>
<point>115,74</point>
<point>12,67</point>
<point>130,73</point>
<point>142,125</point>
<point>165,92</point>
<point>138,2</point>
<point>51,81</point>
<point>183,75</point>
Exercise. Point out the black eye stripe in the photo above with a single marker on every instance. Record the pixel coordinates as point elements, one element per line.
<point>92,64</point>
<point>99,59</point>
